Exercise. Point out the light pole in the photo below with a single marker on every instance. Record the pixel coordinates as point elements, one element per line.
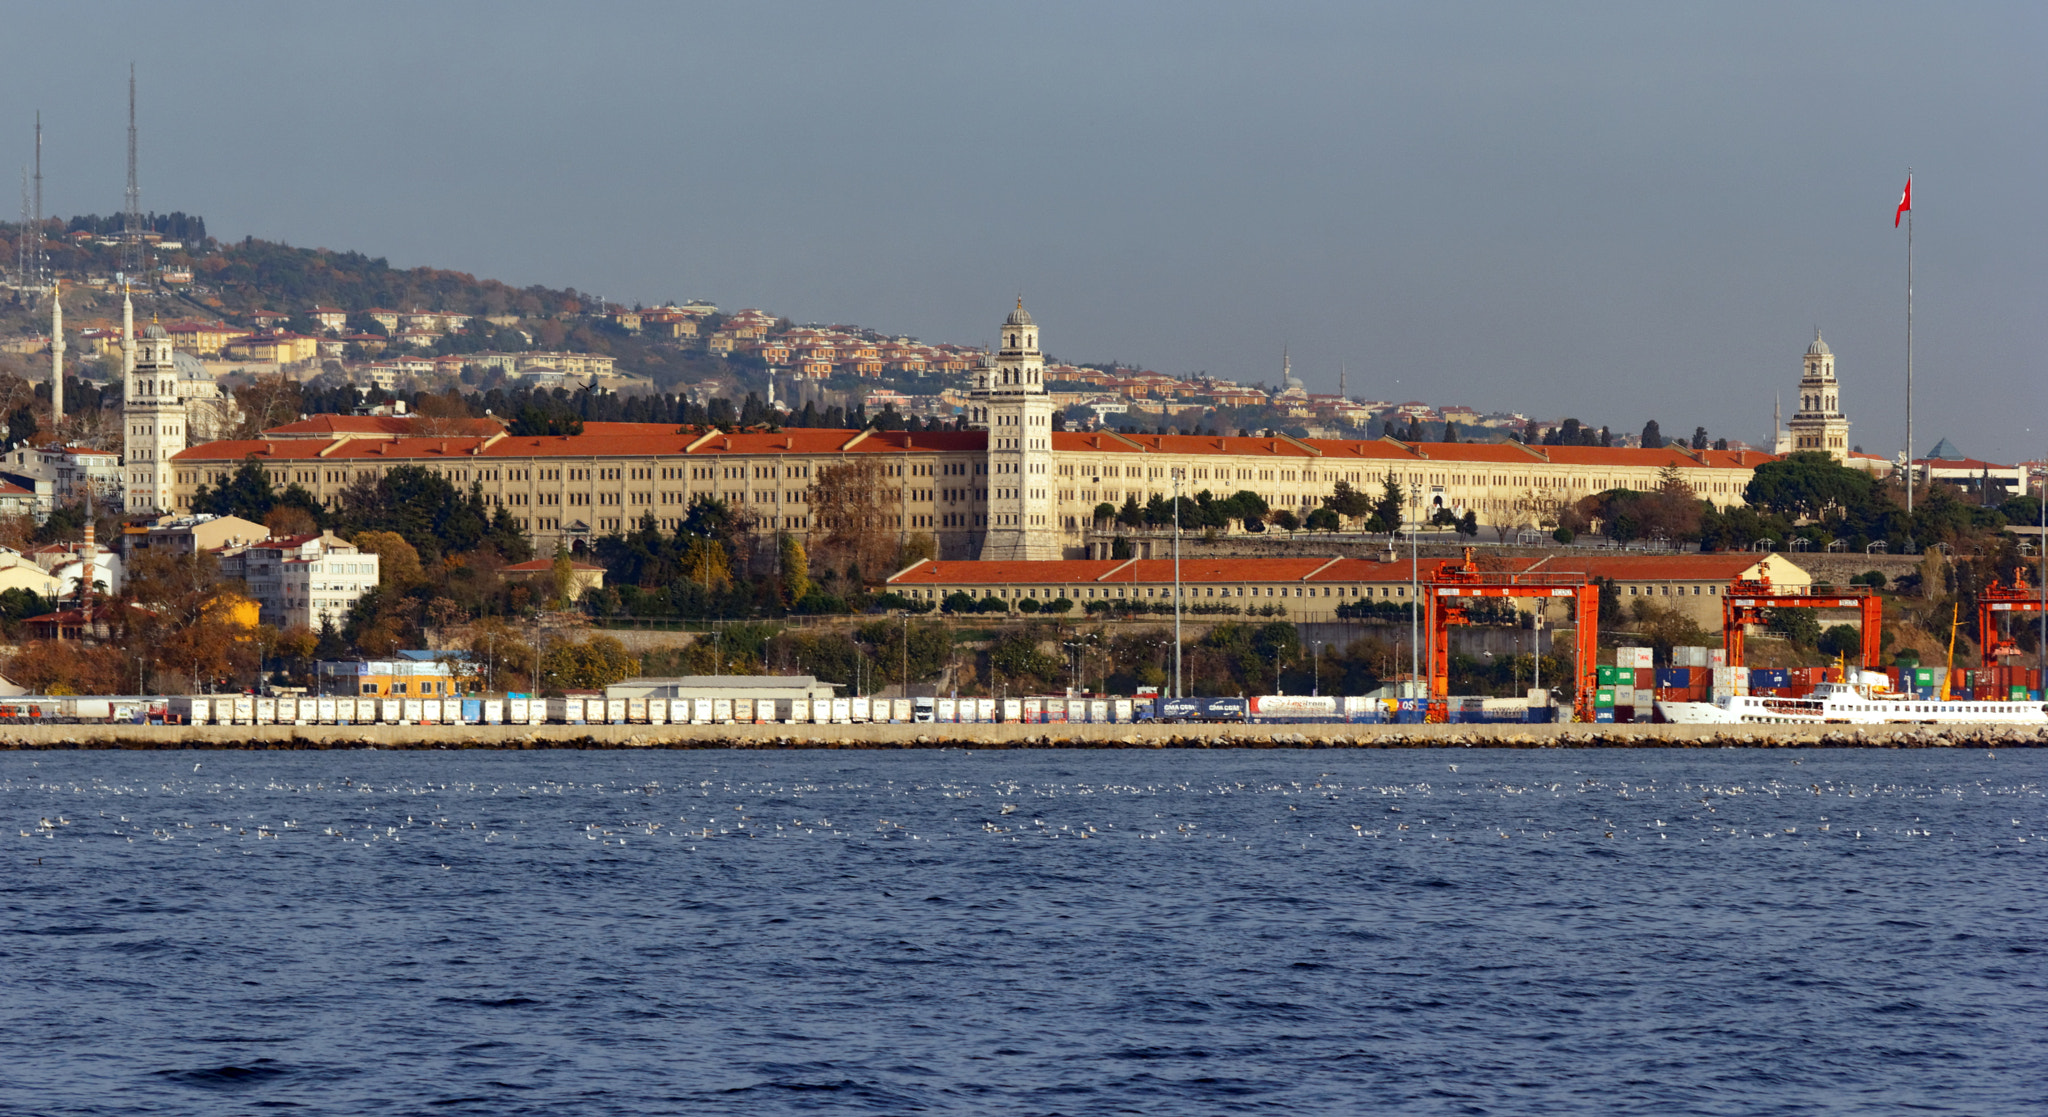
<point>1176,583</point>
<point>1315,689</point>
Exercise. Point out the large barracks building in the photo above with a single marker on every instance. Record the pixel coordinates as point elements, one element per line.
<point>1013,488</point>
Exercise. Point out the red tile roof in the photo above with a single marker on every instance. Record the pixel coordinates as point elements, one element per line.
<point>537,566</point>
<point>325,426</point>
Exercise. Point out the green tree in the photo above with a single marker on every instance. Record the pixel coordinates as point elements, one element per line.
<point>1653,436</point>
<point>1387,510</point>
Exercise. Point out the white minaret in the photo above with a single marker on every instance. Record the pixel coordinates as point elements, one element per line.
<point>1819,424</point>
<point>57,350</point>
<point>156,422</point>
<point>127,334</point>
<point>1011,403</point>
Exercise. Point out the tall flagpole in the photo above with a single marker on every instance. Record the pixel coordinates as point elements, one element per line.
<point>1912,473</point>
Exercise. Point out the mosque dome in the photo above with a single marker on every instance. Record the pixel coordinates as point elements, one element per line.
<point>155,332</point>
<point>1019,316</point>
<point>189,367</point>
<point>1819,348</point>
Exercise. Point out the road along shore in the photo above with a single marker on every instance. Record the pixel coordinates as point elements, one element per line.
<point>999,736</point>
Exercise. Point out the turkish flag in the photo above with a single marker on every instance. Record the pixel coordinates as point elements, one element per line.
<point>1905,202</point>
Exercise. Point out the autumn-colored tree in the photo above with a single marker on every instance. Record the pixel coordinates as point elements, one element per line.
<point>398,563</point>
<point>796,570</point>
<point>290,519</point>
<point>271,401</point>
<point>851,503</point>
<point>69,667</point>
<point>708,564</point>
<point>597,662</point>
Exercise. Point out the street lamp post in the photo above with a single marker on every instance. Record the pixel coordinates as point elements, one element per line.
<point>1315,689</point>
<point>1176,583</point>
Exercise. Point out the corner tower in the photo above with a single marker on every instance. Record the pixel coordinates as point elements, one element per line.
<point>1011,403</point>
<point>1819,424</point>
<point>155,416</point>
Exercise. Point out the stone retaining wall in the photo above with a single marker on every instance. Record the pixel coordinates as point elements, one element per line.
<point>416,737</point>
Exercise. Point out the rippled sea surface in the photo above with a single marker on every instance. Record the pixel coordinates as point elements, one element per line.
<point>1710,932</point>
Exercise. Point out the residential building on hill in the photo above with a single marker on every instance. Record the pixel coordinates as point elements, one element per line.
<point>307,580</point>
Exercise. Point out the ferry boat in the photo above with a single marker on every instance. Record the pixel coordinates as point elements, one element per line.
<point>1868,701</point>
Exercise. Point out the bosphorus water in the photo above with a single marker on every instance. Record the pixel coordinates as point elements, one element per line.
<point>1024,932</point>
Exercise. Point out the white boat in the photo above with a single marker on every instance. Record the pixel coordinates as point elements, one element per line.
<point>1868,701</point>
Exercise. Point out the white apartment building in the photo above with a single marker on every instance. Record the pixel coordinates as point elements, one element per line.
<point>305,580</point>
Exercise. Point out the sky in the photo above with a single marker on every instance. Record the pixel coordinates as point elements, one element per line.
<point>1617,212</point>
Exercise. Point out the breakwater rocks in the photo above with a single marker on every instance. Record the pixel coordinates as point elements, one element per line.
<point>428,737</point>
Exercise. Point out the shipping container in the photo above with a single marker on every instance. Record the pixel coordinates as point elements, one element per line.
<point>1034,711</point>
<point>1120,710</point>
<point>565,711</point>
<point>1295,706</point>
<point>266,711</point>
<point>947,710</point>
<point>1012,711</point>
<point>472,711</point>
<point>799,711</point>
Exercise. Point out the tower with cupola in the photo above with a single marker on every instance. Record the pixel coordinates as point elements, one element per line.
<point>1819,424</point>
<point>156,418</point>
<point>1010,402</point>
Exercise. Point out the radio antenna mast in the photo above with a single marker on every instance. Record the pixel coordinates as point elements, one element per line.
<point>131,215</point>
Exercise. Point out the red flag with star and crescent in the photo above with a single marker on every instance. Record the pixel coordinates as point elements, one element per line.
<point>1905,202</point>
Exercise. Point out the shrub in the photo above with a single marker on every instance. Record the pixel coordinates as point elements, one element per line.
<point>957,602</point>
<point>1059,605</point>
<point>1029,605</point>
<point>992,604</point>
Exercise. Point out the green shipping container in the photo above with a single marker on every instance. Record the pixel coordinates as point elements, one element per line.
<point>1604,697</point>
<point>1616,676</point>
<point>1923,676</point>
<point>2019,694</point>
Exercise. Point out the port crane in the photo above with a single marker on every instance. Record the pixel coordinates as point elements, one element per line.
<point>1746,599</point>
<point>1447,595</point>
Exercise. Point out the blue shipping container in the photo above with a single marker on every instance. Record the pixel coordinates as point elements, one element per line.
<point>1180,709</point>
<point>472,710</point>
<point>1224,709</point>
<point>1674,677</point>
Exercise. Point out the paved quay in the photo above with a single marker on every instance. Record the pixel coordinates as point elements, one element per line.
<point>984,736</point>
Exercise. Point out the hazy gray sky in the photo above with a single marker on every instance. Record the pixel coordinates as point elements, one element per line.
<point>1614,211</point>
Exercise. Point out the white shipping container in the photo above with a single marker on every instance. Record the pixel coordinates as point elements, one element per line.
<point>1034,710</point>
<point>266,711</point>
<point>657,711</point>
<point>700,711</point>
<point>344,711</point>
<point>1098,710</point>
<point>565,711</point>
<point>494,711</point>
<point>324,710</point>
<point>947,710</point>
<point>721,711</point>
<point>615,711</point>
<point>799,710</point>
<point>1717,657</point>
<point>391,711</point>
<point>899,709</point>
<point>842,711</point>
<point>743,710</point>
<point>412,710</point>
<point>1013,710</point>
<point>636,711</point>
<point>1121,709</point>
<point>860,709</point>
<point>431,712</point>
<point>515,710</point>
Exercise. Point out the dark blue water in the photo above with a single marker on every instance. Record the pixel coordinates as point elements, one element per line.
<point>1729,932</point>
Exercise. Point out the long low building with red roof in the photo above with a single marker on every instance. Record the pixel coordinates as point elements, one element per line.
<point>1311,588</point>
<point>932,483</point>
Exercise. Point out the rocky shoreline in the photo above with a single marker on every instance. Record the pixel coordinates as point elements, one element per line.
<point>402,737</point>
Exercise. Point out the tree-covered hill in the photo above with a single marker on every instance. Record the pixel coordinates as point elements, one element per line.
<point>255,274</point>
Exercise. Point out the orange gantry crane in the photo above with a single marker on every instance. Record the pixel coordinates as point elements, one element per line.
<point>1746,600</point>
<point>1446,593</point>
<point>1993,600</point>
